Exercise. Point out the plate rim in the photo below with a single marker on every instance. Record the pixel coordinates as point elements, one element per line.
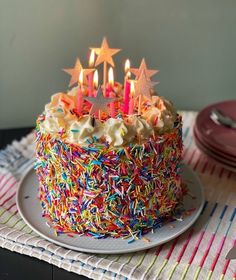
<point>206,110</point>
<point>117,251</point>
<point>215,159</point>
<point>220,153</point>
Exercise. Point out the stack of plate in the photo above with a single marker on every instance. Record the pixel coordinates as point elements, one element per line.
<point>214,139</point>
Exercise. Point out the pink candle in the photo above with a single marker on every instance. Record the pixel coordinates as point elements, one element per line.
<point>79,100</point>
<point>110,92</point>
<point>126,96</point>
<point>80,93</point>
<point>126,87</point>
<point>90,76</point>
<point>90,85</point>
<point>131,101</point>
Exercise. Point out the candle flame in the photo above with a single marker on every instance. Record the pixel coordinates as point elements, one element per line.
<point>128,75</point>
<point>132,89</point>
<point>95,79</point>
<point>127,65</point>
<point>81,77</point>
<point>91,58</point>
<point>111,76</point>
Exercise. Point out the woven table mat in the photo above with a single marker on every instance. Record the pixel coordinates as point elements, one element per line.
<point>199,253</point>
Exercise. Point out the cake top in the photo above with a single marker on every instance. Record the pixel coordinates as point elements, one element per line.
<point>111,113</point>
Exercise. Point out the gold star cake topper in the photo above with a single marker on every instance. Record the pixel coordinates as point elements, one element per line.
<point>74,72</point>
<point>104,53</point>
<point>99,102</point>
<point>143,68</point>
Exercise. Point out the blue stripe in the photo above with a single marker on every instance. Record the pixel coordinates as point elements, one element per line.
<point>213,210</point>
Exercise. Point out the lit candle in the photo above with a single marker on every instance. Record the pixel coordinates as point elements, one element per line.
<point>110,91</point>
<point>131,101</point>
<point>104,78</point>
<point>126,86</point>
<point>95,86</point>
<point>90,76</point>
<point>80,93</point>
<point>95,80</point>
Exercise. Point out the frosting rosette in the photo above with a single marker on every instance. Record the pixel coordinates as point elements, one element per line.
<point>157,117</point>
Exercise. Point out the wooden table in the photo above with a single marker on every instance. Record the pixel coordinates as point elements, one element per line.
<point>15,266</point>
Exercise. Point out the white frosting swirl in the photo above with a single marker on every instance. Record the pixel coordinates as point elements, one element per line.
<point>160,114</point>
<point>84,129</point>
<point>115,131</point>
<point>157,116</point>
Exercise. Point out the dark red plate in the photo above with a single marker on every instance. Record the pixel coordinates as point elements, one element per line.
<point>218,136</point>
<point>212,148</point>
<point>219,160</point>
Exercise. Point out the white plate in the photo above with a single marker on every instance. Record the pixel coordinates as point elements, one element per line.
<point>30,209</point>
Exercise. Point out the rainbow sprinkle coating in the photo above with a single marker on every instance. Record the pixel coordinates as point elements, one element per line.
<point>99,190</point>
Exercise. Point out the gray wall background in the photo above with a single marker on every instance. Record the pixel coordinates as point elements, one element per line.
<point>192,43</point>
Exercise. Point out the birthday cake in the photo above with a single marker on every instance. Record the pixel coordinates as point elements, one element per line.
<point>108,157</point>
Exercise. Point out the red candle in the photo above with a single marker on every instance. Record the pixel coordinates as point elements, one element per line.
<point>110,92</point>
<point>90,76</point>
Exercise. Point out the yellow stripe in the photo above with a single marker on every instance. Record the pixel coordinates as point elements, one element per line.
<point>172,271</point>
<point>23,226</point>
<point>5,210</point>
<point>150,266</point>
<point>209,275</point>
<point>130,258</point>
<point>222,277</point>
<point>16,222</point>
<point>9,218</point>
<point>185,272</point>
<point>197,273</point>
<point>162,267</point>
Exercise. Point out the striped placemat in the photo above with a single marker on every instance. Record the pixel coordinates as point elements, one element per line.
<point>199,253</point>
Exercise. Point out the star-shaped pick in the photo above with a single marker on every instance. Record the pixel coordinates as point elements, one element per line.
<point>143,67</point>
<point>99,103</point>
<point>74,72</point>
<point>104,53</point>
<point>143,86</point>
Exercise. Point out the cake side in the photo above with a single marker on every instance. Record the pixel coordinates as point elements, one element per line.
<point>97,189</point>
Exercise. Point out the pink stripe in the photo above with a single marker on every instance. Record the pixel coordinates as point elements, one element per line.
<point>213,169</point>
<point>1,177</point>
<point>229,174</point>
<point>185,152</point>
<point>207,250</point>
<point>172,248</point>
<point>227,262</point>
<point>197,162</point>
<point>205,166</point>
<point>218,253</point>
<point>159,250</point>
<point>11,186</point>
<point>8,179</point>
<point>221,172</point>
<point>225,267</point>
<point>191,157</point>
<point>196,247</point>
<point>11,206</point>
<point>11,196</point>
<point>185,246</point>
